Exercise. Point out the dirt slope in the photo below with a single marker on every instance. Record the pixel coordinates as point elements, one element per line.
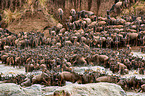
<point>30,22</point>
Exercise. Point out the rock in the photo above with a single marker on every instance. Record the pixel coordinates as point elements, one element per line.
<point>135,94</point>
<point>11,89</point>
<point>50,88</point>
<point>7,89</point>
<point>92,89</point>
<point>49,94</point>
<point>34,90</point>
<point>48,91</point>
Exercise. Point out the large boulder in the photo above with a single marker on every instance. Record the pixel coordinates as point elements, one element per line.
<point>92,89</point>
<point>11,89</point>
<point>34,90</point>
<point>7,89</point>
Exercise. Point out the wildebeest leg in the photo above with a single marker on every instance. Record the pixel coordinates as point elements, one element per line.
<point>13,61</point>
<point>142,42</point>
<point>117,45</point>
<point>60,17</point>
<point>124,42</point>
<point>100,44</point>
<point>110,45</point>
<point>10,62</point>
<point>128,40</point>
<point>45,81</point>
<point>25,67</point>
<point>28,67</point>
<point>136,42</point>
<point>20,63</point>
<point>7,61</point>
<point>98,61</point>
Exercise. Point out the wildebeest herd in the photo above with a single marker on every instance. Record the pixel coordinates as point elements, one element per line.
<point>83,40</point>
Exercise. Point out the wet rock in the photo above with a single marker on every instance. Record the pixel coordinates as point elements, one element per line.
<point>93,89</point>
<point>48,91</point>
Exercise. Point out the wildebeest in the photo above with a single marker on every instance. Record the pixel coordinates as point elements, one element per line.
<point>60,11</point>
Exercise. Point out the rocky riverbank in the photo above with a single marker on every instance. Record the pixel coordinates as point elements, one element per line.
<point>94,89</point>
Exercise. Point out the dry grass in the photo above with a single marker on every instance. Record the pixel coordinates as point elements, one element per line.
<point>136,9</point>
<point>42,3</point>
<point>10,16</point>
<point>28,18</point>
